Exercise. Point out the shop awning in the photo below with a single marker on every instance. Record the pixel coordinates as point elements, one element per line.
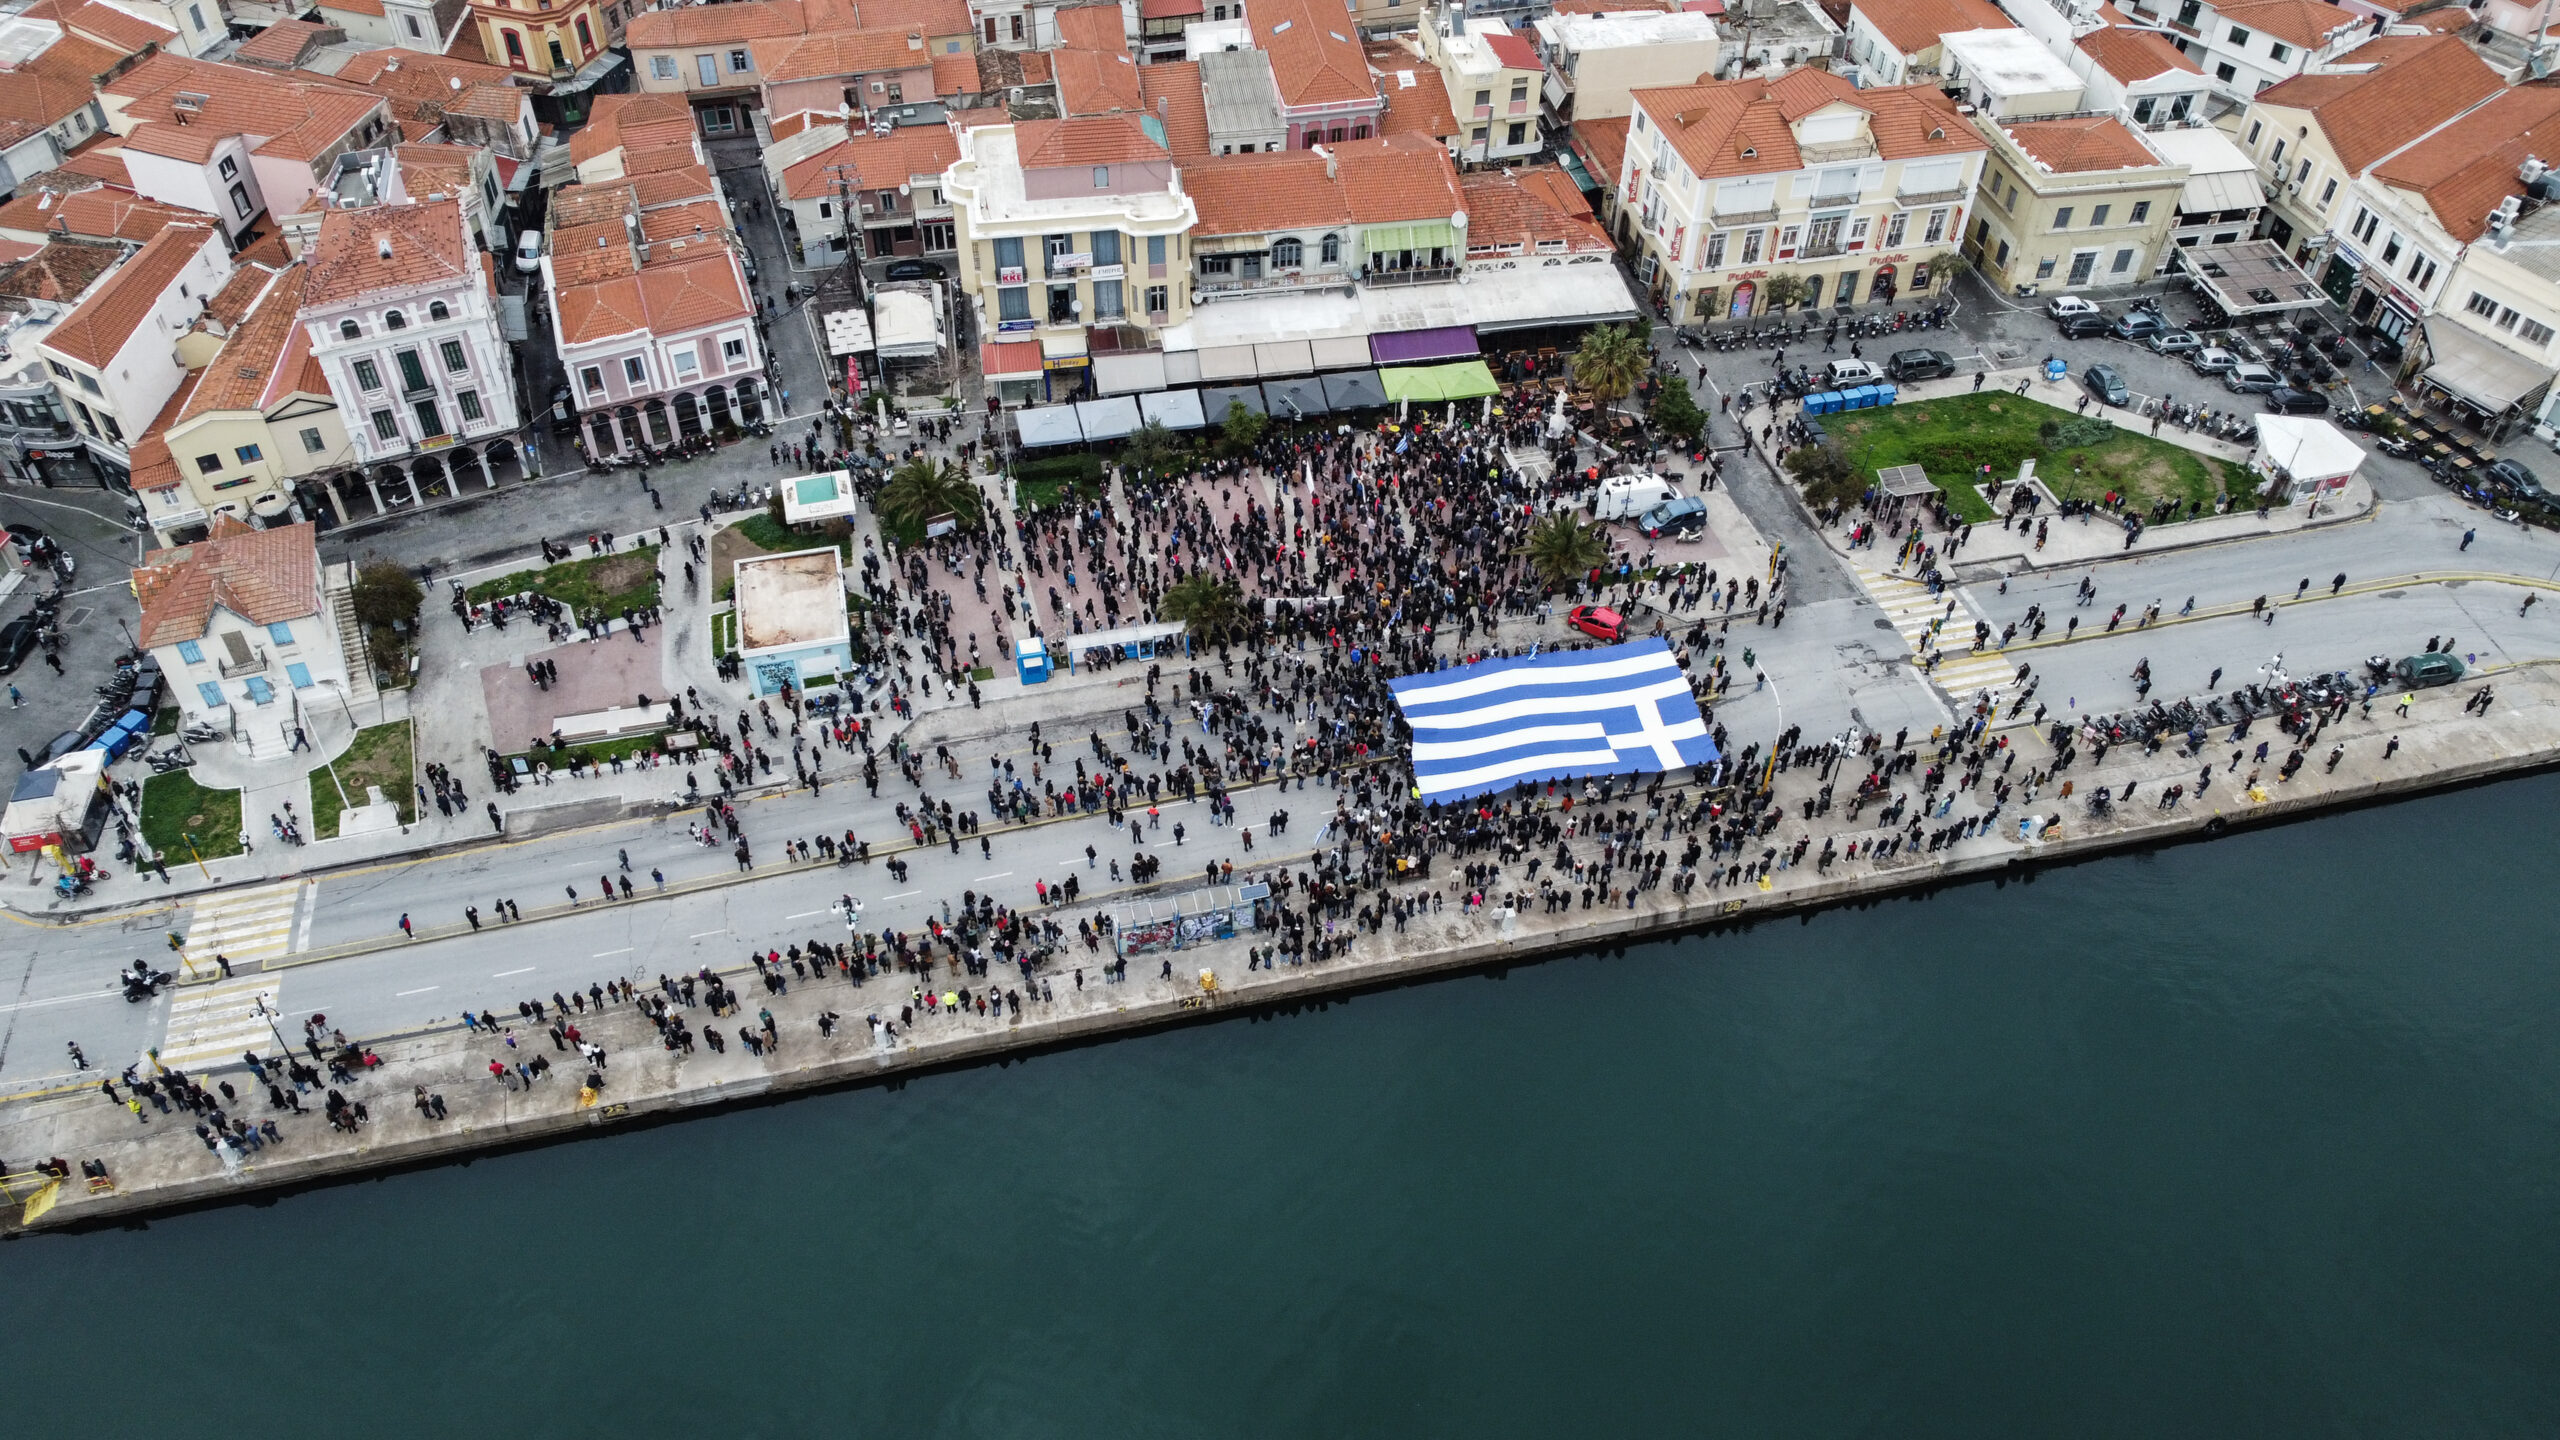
<point>1215,400</point>
<point>2484,374</point>
<point>1283,357</point>
<point>1048,425</point>
<point>1464,380</point>
<point>1064,345</point>
<point>1227,362</point>
<point>1341,352</point>
<point>1356,390</point>
<point>1414,347</point>
<point>1009,359</point>
<point>1173,409</point>
<point>1182,367</point>
<point>1128,374</point>
<point>1107,419</point>
<point>1294,399</point>
<point>2253,277</point>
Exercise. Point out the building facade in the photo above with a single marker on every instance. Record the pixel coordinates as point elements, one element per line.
<point>114,357</point>
<point>2070,204</point>
<point>240,625</point>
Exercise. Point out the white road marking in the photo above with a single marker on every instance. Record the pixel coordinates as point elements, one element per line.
<point>599,955</point>
<point>405,994</point>
<point>503,974</point>
<point>57,1000</point>
<point>901,895</point>
<point>805,914</point>
<point>996,876</point>
<point>707,934</point>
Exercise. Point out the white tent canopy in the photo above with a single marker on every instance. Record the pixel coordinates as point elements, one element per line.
<point>2306,453</point>
<point>1048,425</point>
<point>905,325</point>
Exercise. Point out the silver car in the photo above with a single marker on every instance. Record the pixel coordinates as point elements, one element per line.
<point>2212,360</point>
<point>2251,380</point>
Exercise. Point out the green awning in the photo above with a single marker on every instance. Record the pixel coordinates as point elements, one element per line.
<point>1462,380</point>
<point>1386,239</point>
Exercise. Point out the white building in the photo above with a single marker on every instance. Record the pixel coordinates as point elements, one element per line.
<point>241,628</point>
<point>1596,63</point>
<point>114,358</point>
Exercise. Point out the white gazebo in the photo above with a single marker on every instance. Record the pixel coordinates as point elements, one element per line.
<point>2299,457</point>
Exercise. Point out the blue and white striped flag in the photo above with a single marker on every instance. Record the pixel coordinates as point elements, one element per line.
<point>1624,710</point>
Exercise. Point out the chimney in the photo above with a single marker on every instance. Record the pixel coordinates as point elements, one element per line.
<point>915,40</point>
<point>1164,110</point>
<point>382,243</point>
<point>1332,171</point>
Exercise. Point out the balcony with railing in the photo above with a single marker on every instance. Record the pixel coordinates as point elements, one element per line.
<point>1930,197</point>
<point>252,663</point>
<point>1837,151</point>
<point>1415,275</point>
<point>1726,219</point>
<point>1821,249</point>
<point>1219,287</point>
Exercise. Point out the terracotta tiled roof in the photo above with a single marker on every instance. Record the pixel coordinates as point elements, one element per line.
<point>639,160</point>
<point>2307,23</point>
<point>2420,81</point>
<point>1314,58</point>
<point>964,121</point>
<point>268,249</point>
<point>246,370</point>
<point>714,24</point>
<point>588,254</point>
<point>667,297</point>
<point>299,115</point>
<point>839,53</point>
<point>2134,55</point>
<point>282,45</point>
<point>1012,70</point>
<point>700,220</point>
<point>2078,146</point>
<point>933,17</point>
<point>955,75</point>
<point>390,67</point>
<point>2468,167</point>
<point>1251,194</point>
<point>1417,98</point>
<point>466,45</point>
<point>1745,127</point>
<point>95,157</point>
<point>95,212</point>
<point>431,169</point>
<point>615,114</point>
<point>370,9</point>
<point>120,29</point>
<point>13,251</point>
<point>1171,89</point>
<point>262,576</point>
<point>881,162</point>
<point>1170,9</point>
<point>153,467</point>
<point>1098,28</point>
<point>1400,177</point>
<point>1512,52</point>
<point>1528,206</point>
<point>1097,82</point>
<point>590,204</point>
<point>231,303</point>
<point>1916,26</point>
<point>1602,144</point>
<point>1097,140</point>
<point>2444,20</point>
<point>425,241</point>
<point>109,314</point>
<point>63,78</point>
<point>60,272</point>
<point>672,187</point>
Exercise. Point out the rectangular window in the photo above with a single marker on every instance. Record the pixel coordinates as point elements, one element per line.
<point>1517,134</point>
<point>2328,192</point>
<point>195,16</point>
<point>1715,251</point>
<point>1751,247</point>
<point>1893,228</point>
<point>2124,262</point>
<point>708,67</point>
<point>2480,304</point>
<point>1055,247</point>
<point>1156,302</point>
<point>1155,255</point>
<point>1101,177</point>
<point>2044,267</point>
<point>688,362</point>
<point>311,441</point>
<point>593,379</point>
<point>229,167</point>
<point>385,427</point>
<point>1062,304</point>
<point>2098,216</point>
<point>413,372</point>
<point>633,372</point>
<point>733,351</point>
<point>210,693</point>
<point>2062,218</point>
<point>299,674</point>
<point>115,432</point>
<point>430,420</point>
<point>1937,230</point>
<point>280,632</point>
<point>1009,253</point>
<point>453,356</point>
<point>2279,53</point>
<point>1106,247</point>
<point>2239,36</point>
<point>367,377</point>
<point>738,62</point>
<point>469,400</point>
<point>208,464</point>
<point>661,67</point>
<point>2141,211</point>
<point>260,692</point>
<point>1106,300</point>
<point>249,454</point>
<point>1013,302</point>
<point>240,201</point>
<point>2225,73</point>
<point>191,652</point>
<point>2534,332</point>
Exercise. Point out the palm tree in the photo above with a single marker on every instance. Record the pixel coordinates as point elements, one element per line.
<point>1206,604</point>
<point>924,490</point>
<point>1611,362</point>
<point>1562,549</point>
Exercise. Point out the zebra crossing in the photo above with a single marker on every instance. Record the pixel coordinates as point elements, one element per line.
<point>210,1024</point>
<point>246,927</point>
<point>1914,612</point>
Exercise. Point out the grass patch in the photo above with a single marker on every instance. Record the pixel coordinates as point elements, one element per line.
<point>175,808</point>
<point>165,721</point>
<point>610,584</point>
<point>767,533</point>
<point>724,633</point>
<point>380,756</point>
<point>597,752</point>
<point>1954,437</point>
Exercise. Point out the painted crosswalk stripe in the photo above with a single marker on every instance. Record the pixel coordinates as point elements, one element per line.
<point>246,927</point>
<point>212,1024</point>
<point>1915,615</point>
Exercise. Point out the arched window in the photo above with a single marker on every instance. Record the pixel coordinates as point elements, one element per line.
<point>350,330</point>
<point>1332,250</point>
<point>1287,254</point>
<point>436,310</point>
<point>395,321</point>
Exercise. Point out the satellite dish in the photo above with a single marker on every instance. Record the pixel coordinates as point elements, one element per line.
<point>906,188</point>
<point>1458,220</point>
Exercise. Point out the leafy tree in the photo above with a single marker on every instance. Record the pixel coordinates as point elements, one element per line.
<point>1242,427</point>
<point>1206,604</point>
<point>1826,475</point>
<point>1152,447</point>
<point>923,489</point>
<point>1783,292</point>
<point>1611,362</point>
<point>1563,549</point>
<point>1676,412</point>
<point>385,594</point>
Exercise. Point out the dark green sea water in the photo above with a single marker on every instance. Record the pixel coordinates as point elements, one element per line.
<point>2257,1138</point>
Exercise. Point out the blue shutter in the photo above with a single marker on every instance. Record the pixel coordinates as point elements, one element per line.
<point>299,674</point>
<point>210,693</point>
<point>281,633</point>
<point>191,652</point>
<point>260,692</point>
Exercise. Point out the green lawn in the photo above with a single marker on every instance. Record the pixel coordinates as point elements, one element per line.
<point>380,756</point>
<point>176,809</point>
<point>605,583</point>
<point>597,752</point>
<point>724,633</point>
<point>1953,438</point>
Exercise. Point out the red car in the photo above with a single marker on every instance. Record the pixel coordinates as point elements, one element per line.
<point>1599,622</point>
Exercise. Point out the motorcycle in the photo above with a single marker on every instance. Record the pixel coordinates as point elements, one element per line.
<point>164,761</point>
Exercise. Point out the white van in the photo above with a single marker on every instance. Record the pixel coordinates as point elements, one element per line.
<point>529,251</point>
<point>1624,497</point>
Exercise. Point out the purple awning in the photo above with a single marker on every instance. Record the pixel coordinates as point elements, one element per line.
<point>1412,347</point>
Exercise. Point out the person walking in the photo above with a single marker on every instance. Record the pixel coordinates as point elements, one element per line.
<point>405,927</point>
<point>2468,536</point>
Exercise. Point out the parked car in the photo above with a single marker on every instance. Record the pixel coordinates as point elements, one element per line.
<point>529,251</point>
<point>1684,516</point>
<point>913,270</point>
<point>1845,373</point>
<point>2107,385</point>
<point>1919,364</point>
<point>16,639</point>
<point>2084,327</point>
<point>2140,325</point>
<point>2176,342</point>
<point>1599,622</point>
<point>2420,672</point>
<point>564,414</point>
<point>2062,307</point>
<point>2212,360</point>
<point>2285,400</point>
<point>2246,379</point>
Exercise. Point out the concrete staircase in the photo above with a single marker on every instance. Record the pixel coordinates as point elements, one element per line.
<point>338,582</point>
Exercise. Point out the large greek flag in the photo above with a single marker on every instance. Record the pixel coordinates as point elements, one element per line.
<point>1624,710</point>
